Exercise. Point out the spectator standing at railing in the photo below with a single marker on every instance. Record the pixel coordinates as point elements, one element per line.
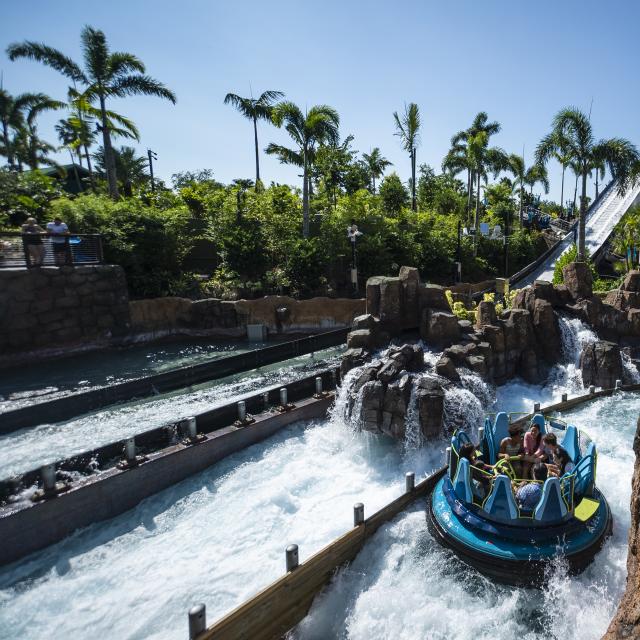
<point>59,233</point>
<point>32,238</point>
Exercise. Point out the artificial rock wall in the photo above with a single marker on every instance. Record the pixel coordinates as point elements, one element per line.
<point>49,308</point>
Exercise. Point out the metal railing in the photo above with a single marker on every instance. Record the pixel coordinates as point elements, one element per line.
<point>45,250</point>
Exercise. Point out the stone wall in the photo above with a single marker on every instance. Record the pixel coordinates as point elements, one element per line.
<point>280,314</point>
<point>50,309</point>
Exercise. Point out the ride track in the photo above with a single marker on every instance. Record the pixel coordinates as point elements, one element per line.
<point>602,216</point>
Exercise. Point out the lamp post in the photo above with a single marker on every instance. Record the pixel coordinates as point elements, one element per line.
<point>152,155</point>
<point>353,234</point>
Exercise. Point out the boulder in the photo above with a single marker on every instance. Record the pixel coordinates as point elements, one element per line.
<point>543,289</point>
<point>547,331</point>
<point>432,296</point>
<point>478,365</point>
<point>485,314</point>
<point>601,364</point>
<point>632,281</point>
<point>466,326</point>
<point>360,339</point>
<point>410,280</point>
<point>447,369</point>
<point>371,412</point>
<point>390,308</point>
<point>578,280</point>
<point>439,327</point>
<point>353,358</point>
<point>430,399</point>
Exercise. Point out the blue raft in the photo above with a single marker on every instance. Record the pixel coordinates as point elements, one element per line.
<point>490,532</point>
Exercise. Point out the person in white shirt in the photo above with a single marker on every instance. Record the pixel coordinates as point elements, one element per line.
<point>58,231</point>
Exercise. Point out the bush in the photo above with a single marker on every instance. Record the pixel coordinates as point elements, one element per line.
<point>565,259</point>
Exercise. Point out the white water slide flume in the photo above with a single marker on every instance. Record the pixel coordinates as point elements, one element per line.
<point>601,219</point>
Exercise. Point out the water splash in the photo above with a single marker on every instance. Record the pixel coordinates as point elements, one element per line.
<point>630,372</point>
<point>412,431</point>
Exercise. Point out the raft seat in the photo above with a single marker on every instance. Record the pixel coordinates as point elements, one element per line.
<point>539,420</point>
<point>501,502</point>
<point>498,431</point>
<point>457,440</point>
<point>586,472</point>
<point>571,443</point>
<point>462,481</point>
<point>551,506</point>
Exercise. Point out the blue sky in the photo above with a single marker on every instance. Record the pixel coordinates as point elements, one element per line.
<point>519,61</point>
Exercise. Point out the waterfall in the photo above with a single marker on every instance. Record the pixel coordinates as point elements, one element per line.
<point>464,407</point>
<point>343,407</point>
<point>630,372</point>
<point>575,335</point>
<point>412,431</point>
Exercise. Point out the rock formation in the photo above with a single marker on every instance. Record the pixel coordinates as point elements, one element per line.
<point>601,364</point>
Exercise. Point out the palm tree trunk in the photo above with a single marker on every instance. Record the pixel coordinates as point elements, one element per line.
<point>472,177</point>
<point>414,204</point>
<point>88,159</point>
<point>477,219</point>
<point>575,193</point>
<point>521,201</point>
<point>255,135</point>
<point>7,144</point>
<point>581,223</point>
<point>562,194</point>
<point>305,199</point>
<point>109,160</point>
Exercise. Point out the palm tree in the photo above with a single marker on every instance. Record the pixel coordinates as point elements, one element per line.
<point>242,185</point>
<point>563,158</point>
<point>573,129</point>
<point>255,109</point>
<point>376,165</point>
<point>131,169</point>
<point>317,126</point>
<point>456,159</point>
<point>106,74</point>
<point>536,173</point>
<point>407,129</point>
<point>12,117</point>
<point>36,149</point>
<point>483,159</point>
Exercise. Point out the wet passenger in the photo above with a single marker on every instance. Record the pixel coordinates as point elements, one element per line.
<point>512,448</point>
<point>480,478</point>
<point>529,493</point>
<point>547,448</point>
<point>532,440</point>
<point>562,462</point>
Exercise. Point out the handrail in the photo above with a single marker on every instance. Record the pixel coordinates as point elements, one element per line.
<point>46,249</point>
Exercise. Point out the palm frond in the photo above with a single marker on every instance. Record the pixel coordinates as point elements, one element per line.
<point>140,85</point>
<point>53,58</point>
<point>284,154</point>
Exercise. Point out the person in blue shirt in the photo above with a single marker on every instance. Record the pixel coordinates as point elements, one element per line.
<point>529,493</point>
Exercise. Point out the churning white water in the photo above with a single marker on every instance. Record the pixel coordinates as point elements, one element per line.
<point>29,448</point>
<point>404,585</point>
<point>220,536</point>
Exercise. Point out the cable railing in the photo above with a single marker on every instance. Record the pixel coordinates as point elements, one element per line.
<point>28,250</point>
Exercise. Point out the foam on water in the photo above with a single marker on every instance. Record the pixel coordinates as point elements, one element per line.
<point>29,448</point>
<point>218,537</point>
<point>404,585</point>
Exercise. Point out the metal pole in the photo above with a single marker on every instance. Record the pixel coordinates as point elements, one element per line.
<point>409,481</point>
<point>265,399</point>
<point>448,456</point>
<point>564,397</point>
<point>130,449</point>
<point>358,514</point>
<point>319,385</point>
<point>618,384</point>
<point>242,411</point>
<point>480,434</point>
<point>536,407</point>
<point>291,555</point>
<point>48,475</point>
<point>197,620</point>
<point>189,427</point>
<point>283,397</point>
<point>592,389</point>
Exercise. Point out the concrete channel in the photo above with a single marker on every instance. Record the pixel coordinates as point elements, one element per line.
<point>70,406</point>
<point>132,473</point>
